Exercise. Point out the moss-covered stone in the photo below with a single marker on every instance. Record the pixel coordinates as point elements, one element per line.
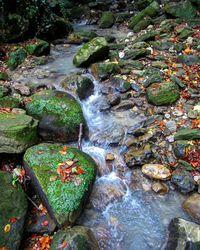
<point>38,48</point>
<point>77,237</point>
<point>148,36</point>
<point>183,9</point>
<point>162,93</point>
<point>187,134</point>
<point>150,11</point>
<point>103,70</point>
<point>106,20</point>
<point>82,85</point>
<point>91,52</point>
<point>9,102</point>
<point>13,207</point>
<point>17,132</point>
<point>188,59</point>
<point>3,75</point>
<point>59,114</point>
<point>15,58</point>
<point>143,24</point>
<point>64,201</point>
<point>3,91</point>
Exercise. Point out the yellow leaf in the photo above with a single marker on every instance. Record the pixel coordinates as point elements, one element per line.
<point>7,228</point>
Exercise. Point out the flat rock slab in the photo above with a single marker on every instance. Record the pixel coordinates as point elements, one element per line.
<point>62,177</point>
<point>59,114</point>
<point>13,208</point>
<point>17,132</point>
<point>77,237</point>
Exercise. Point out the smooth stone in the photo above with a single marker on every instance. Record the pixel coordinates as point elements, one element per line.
<point>113,99</point>
<point>110,157</point>
<point>156,171</point>
<point>192,206</point>
<point>159,188</point>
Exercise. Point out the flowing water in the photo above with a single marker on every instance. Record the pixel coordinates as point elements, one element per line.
<point>131,217</point>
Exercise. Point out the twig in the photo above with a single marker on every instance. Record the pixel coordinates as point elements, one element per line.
<point>80,135</point>
<point>33,203</point>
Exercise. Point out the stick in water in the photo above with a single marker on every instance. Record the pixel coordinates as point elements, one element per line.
<point>80,135</point>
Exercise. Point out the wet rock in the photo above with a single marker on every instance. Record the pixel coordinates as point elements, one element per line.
<point>121,84</point>
<point>161,45</point>
<point>59,114</point>
<point>110,157</point>
<point>156,171</point>
<point>183,235</point>
<point>22,89</point>
<point>38,48</point>
<point>171,126</point>
<point>162,93</point>
<point>192,206</point>
<point>64,200</point>
<point>148,36</point>
<point>17,132</point>
<point>187,134</point>
<point>105,192</point>
<point>81,84</point>
<point>124,105</point>
<point>149,11</point>
<point>185,33</point>
<point>103,70</point>
<point>185,9</point>
<point>13,211</point>
<point>159,188</point>
<point>113,99</point>
<point>141,25</point>
<point>183,180</point>
<point>180,147</point>
<point>138,156</point>
<point>159,64</point>
<point>16,58</point>
<point>91,52</point>
<point>77,237</point>
<point>106,20</point>
<point>135,53</point>
<point>188,59</point>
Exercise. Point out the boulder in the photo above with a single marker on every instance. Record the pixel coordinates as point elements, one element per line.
<point>13,212</point>
<point>9,102</point>
<point>150,11</point>
<point>183,234</point>
<point>59,115</point>
<point>80,84</point>
<point>188,59</point>
<point>141,25</point>
<point>38,48</point>
<point>3,75</point>
<point>62,177</point>
<point>183,180</point>
<point>183,9</point>
<point>192,206</point>
<point>162,93</point>
<point>187,134</point>
<point>77,237</point>
<point>17,132</point>
<point>156,171</point>
<point>106,20</point>
<point>16,58</point>
<point>103,70</point>
<point>91,52</point>
<point>3,91</point>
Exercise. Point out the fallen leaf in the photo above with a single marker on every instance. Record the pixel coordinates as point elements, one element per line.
<point>7,228</point>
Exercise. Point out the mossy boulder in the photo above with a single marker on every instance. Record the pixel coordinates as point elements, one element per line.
<point>77,237</point>
<point>103,70</point>
<point>164,93</point>
<point>91,52</point>
<point>188,59</point>
<point>3,91</point>
<point>107,20</point>
<point>13,211</point>
<point>16,58</point>
<point>64,200</point>
<point>81,84</point>
<point>183,9</point>
<point>150,11</point>
<point>3,75</point>
<point>9,102</point>
<point>187,134</point>
<point>17,132</point>
<point>143,24</point>
<point>38,48</point>
<point>60,115</point>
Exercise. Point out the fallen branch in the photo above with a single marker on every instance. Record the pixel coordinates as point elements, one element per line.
<point>80,135</point>
<point>33,203</point>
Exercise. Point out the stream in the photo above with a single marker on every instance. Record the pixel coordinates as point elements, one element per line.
<point>132,217</point>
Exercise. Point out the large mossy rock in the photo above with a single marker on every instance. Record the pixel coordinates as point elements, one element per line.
<point>60,115</point>
<point>77,237</point>
<point>183,9</point>
<point>17,132</point>
<point>187,134</point>
<point>80,84</point>
<point>106,20</point>
<point>38,48</point>
<point>15,58</point>
<point>9,102</point>
<point>13,210</point>
<point>103,70</point>
<point>192,207</point>
<point>91,52</point>
<point>63,199</point>
<point>183,235</point>
<point>150,11</point>
<point>162,93</point>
